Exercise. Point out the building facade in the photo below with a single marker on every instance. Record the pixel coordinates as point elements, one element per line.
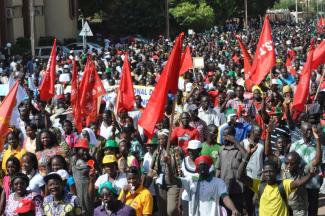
<point>56,18</point>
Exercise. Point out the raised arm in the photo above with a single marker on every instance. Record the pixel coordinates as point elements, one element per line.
<point>267,147</point>
<point>241,173</point>
<point>286,105</point>
<point>318,157</point>
<point>303,180</point>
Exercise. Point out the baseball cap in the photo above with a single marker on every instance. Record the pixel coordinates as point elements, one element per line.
<point>109,159</point>
<point>52,175</point>
<point>111,143</point>
<point>194,144</point>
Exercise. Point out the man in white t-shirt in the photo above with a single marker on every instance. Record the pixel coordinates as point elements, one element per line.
<point>205,201</point>
<point>112,174</point>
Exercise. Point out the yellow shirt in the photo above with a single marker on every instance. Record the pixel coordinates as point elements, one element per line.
<point>271,202</point>
<point>141,201</point>
<point>18,153</point>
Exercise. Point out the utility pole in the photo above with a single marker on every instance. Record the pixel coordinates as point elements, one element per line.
<point>167,18</point>
<point>296,11</point>
<point>32,30</point>
<point>246,15</point>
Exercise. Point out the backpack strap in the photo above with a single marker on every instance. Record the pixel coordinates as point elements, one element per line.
<point>261,190</point>
<point>282,193</point>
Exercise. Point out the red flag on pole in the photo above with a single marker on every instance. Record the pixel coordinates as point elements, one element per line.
<point>320,25</point>
<point>187,62</point>
<point>75,98</point>
<point>291,55</point>
<point>302,90</point>
<point>264,58</point>
<point>154,111</point>
<point>125,94</point>
<point>90,89</point>
<point>247,63</point>
<point>6,108</point>
<point>46,89</point>
<point>319,56</point>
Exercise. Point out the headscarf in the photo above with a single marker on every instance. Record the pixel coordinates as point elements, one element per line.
<point>92,137</point>
<point>164,132</point>
<point>109,186</point>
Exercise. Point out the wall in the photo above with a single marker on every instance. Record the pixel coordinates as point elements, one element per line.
<point>57,20</point>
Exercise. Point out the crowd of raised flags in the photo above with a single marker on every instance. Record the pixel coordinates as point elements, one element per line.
<point>194,146</point>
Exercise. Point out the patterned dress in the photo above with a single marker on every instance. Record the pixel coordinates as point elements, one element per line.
<point>69,206</point>
<point>12,204</point>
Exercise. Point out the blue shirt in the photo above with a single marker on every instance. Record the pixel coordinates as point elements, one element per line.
<point>242,130</point>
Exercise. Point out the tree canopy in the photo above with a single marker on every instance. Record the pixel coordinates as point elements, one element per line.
<point>148,17</point>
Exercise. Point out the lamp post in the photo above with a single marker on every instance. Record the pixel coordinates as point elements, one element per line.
<point>32,33</point>
<point>167,18</point>
<point>246,15</point>
<point>82,18</point>
<point>296,11</point>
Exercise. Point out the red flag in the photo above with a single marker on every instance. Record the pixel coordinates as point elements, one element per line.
<point>46,89</point>
<point>125,94</point>
<point>154,111</point>
<point>187,62</point>
<point>75,98</point>
<point>290,57</point>
<point>320,25</point>
<point>319,56</point>
<point>6,108</point>
<point>302,90</point>
<point>264,58</point>
<point>247,63</point>
<point>90,89</point>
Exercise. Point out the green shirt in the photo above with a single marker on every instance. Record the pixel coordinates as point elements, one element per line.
<point>211,150</point>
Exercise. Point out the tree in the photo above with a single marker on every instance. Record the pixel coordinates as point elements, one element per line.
<point>196,16</point>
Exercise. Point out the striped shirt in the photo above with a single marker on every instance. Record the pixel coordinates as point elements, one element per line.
<point>280,130</point>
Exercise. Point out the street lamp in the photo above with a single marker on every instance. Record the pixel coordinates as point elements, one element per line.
<point>246,15</point>
<point>167,18</point>
<point>82,18</point>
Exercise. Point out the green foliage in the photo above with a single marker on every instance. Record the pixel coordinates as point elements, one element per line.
<point>197,16</point>
<point>22,46</point>
<point>46,41</point>
<point>147,17</point>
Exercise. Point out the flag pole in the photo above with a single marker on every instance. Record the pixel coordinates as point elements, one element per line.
<point>320,83</point>
<point>171,122</point>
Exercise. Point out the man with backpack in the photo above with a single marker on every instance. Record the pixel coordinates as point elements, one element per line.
<point>272,195</point>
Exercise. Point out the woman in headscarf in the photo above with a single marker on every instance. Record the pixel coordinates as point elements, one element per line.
<point>168,192</point>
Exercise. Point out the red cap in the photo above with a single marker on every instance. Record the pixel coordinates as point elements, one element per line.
<point>210,73</point>
<point>206,159</point>
<point>82,143</point>
<point>25,206</point>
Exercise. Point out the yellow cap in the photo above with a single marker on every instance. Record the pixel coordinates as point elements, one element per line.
<point>286,89</point>
<point>109,159</point>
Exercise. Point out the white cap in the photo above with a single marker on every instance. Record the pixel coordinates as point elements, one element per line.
<point>188,87</point>
<point>194,144</point>
<point>63,173</point>
<point>274,82</point>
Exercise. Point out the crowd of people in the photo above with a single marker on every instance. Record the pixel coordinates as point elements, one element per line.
<point>230,150</point>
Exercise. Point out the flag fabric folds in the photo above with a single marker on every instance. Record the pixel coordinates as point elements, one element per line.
<point>75,98</point>
<point>168,83</point>
<point>90,89</point>
<point>47,89</point>
<point>187,62</point>
<point>6,108</point>
<point>264,58</point>
<point>247,63</point>
<point>319,56</point>
<point>125,94</point>
<point>302,91</point>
